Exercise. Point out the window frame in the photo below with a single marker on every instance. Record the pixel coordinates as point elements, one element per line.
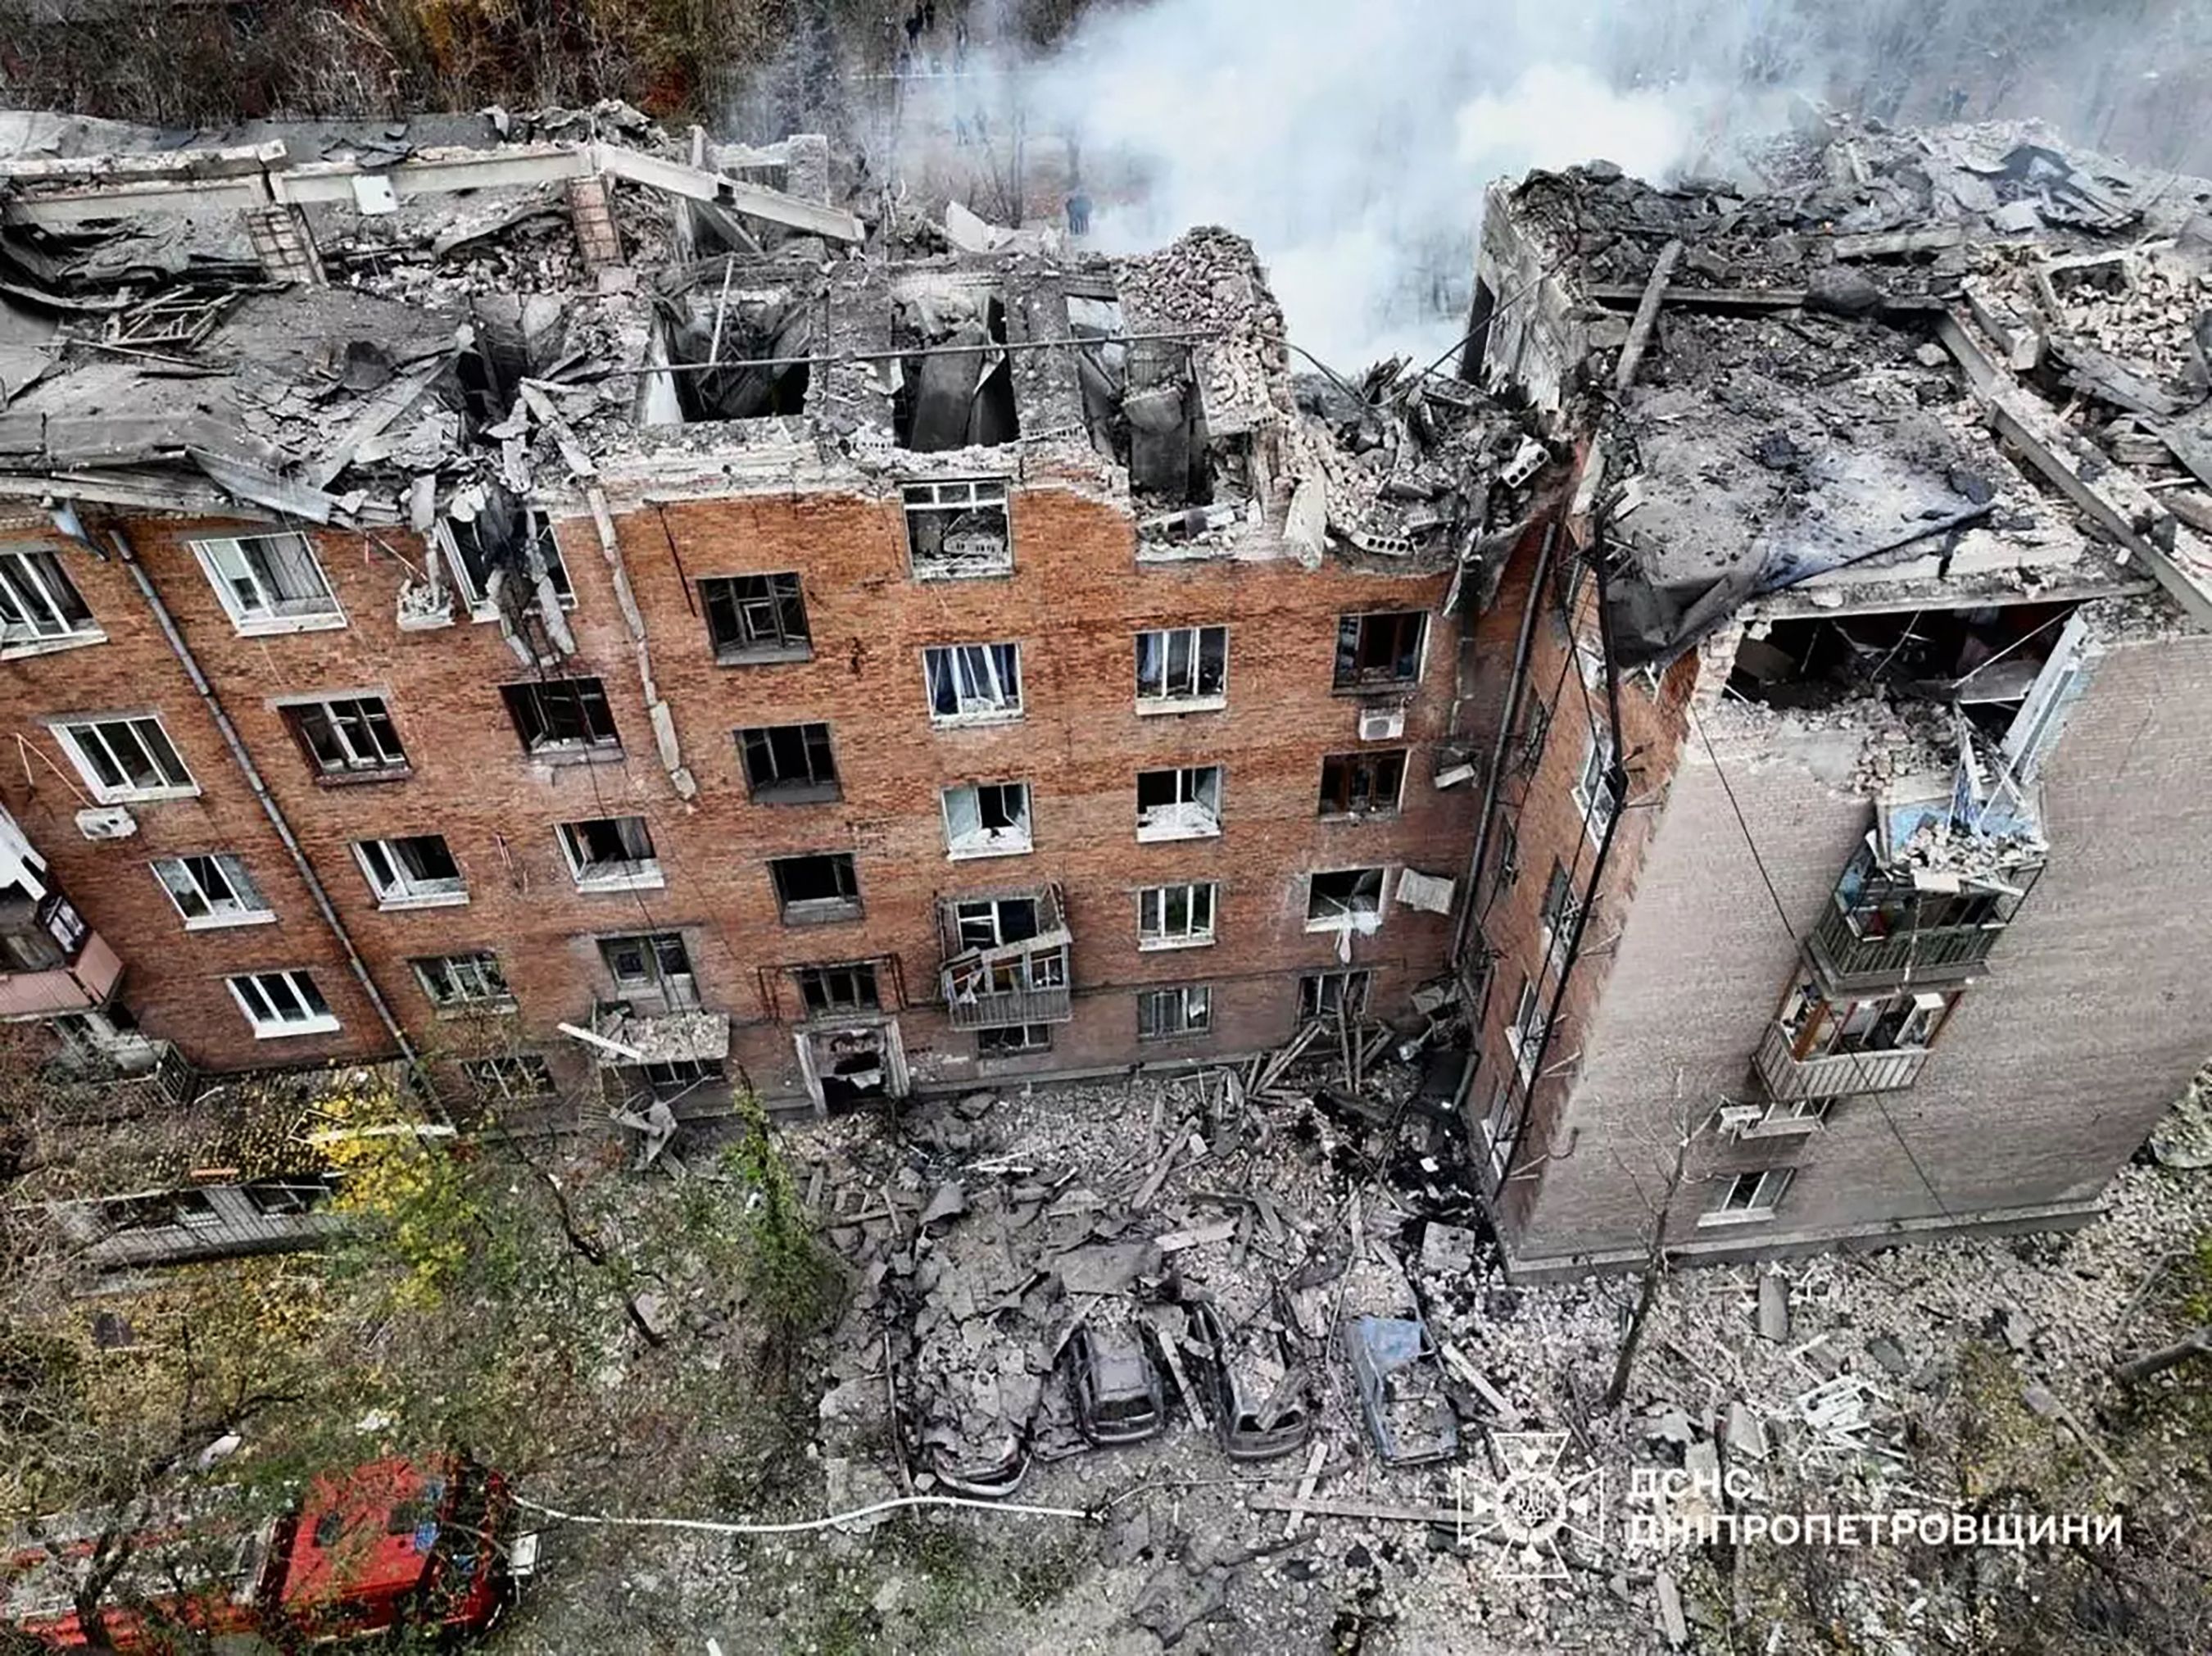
<point>724,592</point>
<point>1001,669</point>
<point>991,1043</point>
<point>295,979</point>
<point>537,526</point>
<point>821,786</point>
<point>1171,700</point>
<point>489,1076</point>
<point>488,992</point>
<point>68,728</point>
<point>1153,907</point>
<point>1351,645</point>
<point>1524,1034</point>
<point>1189,815</point>
<point>533,698</point>
<point>35,576</point>
<point>955,498</point>
<point>262,617</point>
<point>1557,915</point>
<point>675,985</point>
<point>633,873</point>
<point>355,732</point>
<point>1594,784</point>
<point>1761,1200</point>
<point>848,904</point>
<point>431,891</point>
<point>237,879</point>
<point>1187,1022</point>
<point>864,976</point>
<point>1349,765</point>
<point>1348,920</point>
<point>1018,838</point>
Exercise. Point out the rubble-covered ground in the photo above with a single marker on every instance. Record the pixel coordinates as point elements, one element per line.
<point>1971,1376</point>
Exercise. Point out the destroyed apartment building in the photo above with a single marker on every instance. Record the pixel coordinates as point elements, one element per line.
<point>1840,875</point>
<point>594,615</point>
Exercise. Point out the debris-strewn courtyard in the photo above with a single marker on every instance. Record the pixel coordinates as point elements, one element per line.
<point>981,1233</point>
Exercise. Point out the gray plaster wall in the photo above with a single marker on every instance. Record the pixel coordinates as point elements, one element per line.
<point>2094,1011</point>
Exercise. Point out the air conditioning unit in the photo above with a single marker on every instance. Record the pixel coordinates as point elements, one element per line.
<point>1735,1119</point>
<point>1382,724</point>
<point>106,822</point>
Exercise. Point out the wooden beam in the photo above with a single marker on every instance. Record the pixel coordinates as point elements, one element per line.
<point>1647,317</point>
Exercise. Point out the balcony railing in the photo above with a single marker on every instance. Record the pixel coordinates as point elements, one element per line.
<point>83,981</point>
<point>1930,954</point>
<point>1838,1075</point>
<point>981,1007</point>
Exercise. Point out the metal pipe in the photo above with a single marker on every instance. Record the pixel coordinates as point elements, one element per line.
<point>268,802</point>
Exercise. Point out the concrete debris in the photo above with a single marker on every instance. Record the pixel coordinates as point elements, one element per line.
<point>1773,1306</point>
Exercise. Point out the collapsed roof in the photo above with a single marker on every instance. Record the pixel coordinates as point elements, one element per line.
<point>348,326</point>
<point>1965,356</point>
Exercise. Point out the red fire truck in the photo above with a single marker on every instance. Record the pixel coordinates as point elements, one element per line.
<point>392,1543</point>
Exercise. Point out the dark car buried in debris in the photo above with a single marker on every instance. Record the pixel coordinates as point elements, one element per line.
<point>1402,1392</point>
<point>1261,1407</point>
<point>1118,1398</point>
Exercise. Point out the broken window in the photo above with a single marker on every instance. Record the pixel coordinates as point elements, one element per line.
<point>736,353</point>
<point>286,1198</point>
<point>1180,804</point>
<point>816,888</point>
<point>1183,669</point>
<point>1344,897</point>
<point>1013,1039</point>
<point>128,758</point>
<point>610,854</point>
<point>1597,790</point>
<point>1535,727</point>
<point>1379,650</point>
<point>560,718</point>
<point>1561,908</point>
<point>161,1211</point>
<point>1175,916</point>
<point>270,583</point>
<point>495,547</point>
<point>39,604</point>
<point>973,684</point>
<point>211,891</point>
<point>510,1076</point>
<point>756,618</point>
<point>1325,994</point>
<point>1163,1014</point>
<point>655,963</point>
<point>349,736</point>
<point>415,871</point>
<point>992,922</point>
<point>672,1079</point>
<point>828,989</point>
<point>988,819</point>
<point>1525,1036</point>
<point>1362,784</point>
<point>454,981</point>
<point>958,530</point>
<point>283,1003</point>
<point>788,764</point>
<point>955,391</point>
<point>1748,1196</point>
<point>1818,1027</point>
<point>1509,851</point>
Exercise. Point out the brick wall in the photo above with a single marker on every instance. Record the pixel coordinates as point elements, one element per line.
<point>1075,601</point>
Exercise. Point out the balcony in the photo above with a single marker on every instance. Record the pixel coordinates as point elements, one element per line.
<point>1838,1075</point>
<point>1006,961</point>
<point>54,962</point>
<point>1870,949</point>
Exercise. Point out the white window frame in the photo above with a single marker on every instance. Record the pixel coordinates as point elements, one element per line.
<point>1499,1137</point>
<point>1152,905</point>
<point>1034,1038</point>
<point>966,838</point>
<point>1524,1036</point>
<point>251,987</point>
<point>224,889</point>
<point>956,494</point>
<point>632,874</point>
<point>1592,788</point>
<point>1193,1007</point>
<point>259,614</point>
<point>476,972</point>
<point>1171,699</point>
<point>1350,918</point>
<point>1557,928</point>
<point>76,732</point>
<point>1360,979</point>
<point>402,890</point>
<point>358,762</point>
<point>985,681</point>
<point>1761,1194</point>
<point>1194,813</point>
<point>997,906</point>
<point>35,590</point>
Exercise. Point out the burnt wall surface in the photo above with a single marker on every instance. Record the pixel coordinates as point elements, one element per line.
<point>2084,1026</point>
<point>1074,602</point>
